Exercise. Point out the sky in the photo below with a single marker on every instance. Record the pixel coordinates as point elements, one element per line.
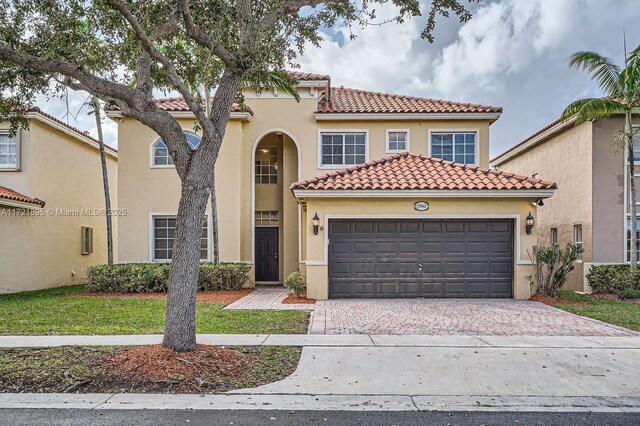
<point>512,53</point>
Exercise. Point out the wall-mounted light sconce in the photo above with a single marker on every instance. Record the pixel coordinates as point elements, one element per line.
<point>315,221</point>
<point>529,224</point>
<point>540,202</point>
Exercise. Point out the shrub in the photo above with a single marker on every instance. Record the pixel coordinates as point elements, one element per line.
<point>631,293</point>
<point>154,277</point>
<point>552,265</point>
<point>614,279</point>
<point>296,282</point>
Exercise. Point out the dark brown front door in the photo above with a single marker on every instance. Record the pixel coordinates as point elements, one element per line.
<point>421,258</point>
<point>267,254</point>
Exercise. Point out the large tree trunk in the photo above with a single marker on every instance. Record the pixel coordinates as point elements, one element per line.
<point>180,323</point>
<point>105,179</point>
<point>214,221</point>
<point>180,330</point>
<point>632,186</point>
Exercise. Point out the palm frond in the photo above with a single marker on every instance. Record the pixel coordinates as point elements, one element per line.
<point>573,108</point>
<point>279,80</point>
<point>599,108</point>
<point>601,69</point>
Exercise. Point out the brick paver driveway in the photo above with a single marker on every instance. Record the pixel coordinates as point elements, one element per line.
<point>453,317</point>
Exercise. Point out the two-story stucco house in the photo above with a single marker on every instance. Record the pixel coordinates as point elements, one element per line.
<point>591,205</point>
<point>326,185</point>
<point>52,223</point>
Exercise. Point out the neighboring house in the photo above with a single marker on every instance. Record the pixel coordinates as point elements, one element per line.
<point>389,223</point>
<point>590,207</point>
<point>52,225</point>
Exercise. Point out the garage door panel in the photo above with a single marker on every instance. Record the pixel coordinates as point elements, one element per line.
<point>382,258</point>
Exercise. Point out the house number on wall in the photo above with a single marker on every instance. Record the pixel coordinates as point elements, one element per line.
<point>421,206</point>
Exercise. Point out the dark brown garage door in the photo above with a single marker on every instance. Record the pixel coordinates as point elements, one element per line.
<point>420,258</point>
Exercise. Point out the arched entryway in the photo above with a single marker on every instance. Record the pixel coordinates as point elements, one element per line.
<point>275,215</point>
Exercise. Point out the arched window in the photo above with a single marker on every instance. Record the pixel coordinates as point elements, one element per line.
<point>160,153</point>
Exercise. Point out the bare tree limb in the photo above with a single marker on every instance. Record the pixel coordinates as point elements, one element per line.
<point>143,74</point>
<point>167,28</point>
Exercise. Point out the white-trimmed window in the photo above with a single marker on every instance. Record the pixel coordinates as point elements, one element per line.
<point>267,218</point>
<point>160,153</point>
<point>342,149</point>
<point>164,230</point>
<point>577,236</point>
<point>636,144</point>
<point>397,140</point>
<point>8,151</point>
<point>267,165</point>
<point>553,236</point>
<point>460,147</point>
<point>628,247</point>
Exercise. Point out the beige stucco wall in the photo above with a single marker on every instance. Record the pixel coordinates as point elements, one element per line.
<point>566,160</point>
<point>316,266</point>
<point>43,249</point>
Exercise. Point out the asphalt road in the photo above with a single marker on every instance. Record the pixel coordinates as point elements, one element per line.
<point>68,417</point>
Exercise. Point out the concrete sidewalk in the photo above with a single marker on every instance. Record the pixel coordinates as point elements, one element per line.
<point>628,342</point>
<point>400,373</point>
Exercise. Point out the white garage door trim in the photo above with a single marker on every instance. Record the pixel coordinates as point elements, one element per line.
<point>328,217</point>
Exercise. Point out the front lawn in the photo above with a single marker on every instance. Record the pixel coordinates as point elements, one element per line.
<point>54,312</point>
<point>624,313</point>
<point>83,369</point>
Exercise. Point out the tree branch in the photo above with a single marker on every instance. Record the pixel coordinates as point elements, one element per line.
<point>99,86</point>
<point>172,73</point>
<point>196,33</point>
<point>291,6</point>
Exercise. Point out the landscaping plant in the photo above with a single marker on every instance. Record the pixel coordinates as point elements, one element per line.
<point>551,266</point>
<point>615,279</point>
<point>296,282</point>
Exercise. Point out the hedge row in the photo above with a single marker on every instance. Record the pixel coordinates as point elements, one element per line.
<point>154,277</point>
<point>615,279</point>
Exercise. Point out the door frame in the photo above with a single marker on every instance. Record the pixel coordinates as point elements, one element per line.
<point>277,234</point>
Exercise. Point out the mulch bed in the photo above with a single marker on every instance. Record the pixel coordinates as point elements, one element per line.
<point>220,296</point>
<point>293,299</point>
<point>552,301</point>
<point>144,369</point>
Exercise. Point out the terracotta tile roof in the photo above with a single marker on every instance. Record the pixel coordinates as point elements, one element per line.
<point>85,133</point>
<point>178,104</point>
<point>343,100</point>
<point>309,76</point>
<point>410,171</point>
<point>10,194</point>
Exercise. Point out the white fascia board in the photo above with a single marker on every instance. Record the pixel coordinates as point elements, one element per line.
<point>534,141</point>
<point>400,116</point>
<point>499,193</point>
<point>19,204</point>
<point>74,134</point>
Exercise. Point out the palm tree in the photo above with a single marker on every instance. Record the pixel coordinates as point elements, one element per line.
<point>622,97</point>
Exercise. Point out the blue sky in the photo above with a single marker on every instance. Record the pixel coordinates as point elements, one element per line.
<point>512,54</point>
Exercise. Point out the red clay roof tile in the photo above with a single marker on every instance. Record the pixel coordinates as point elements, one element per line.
<point>178,104</point>
<point>418,172</point>
<point>343,100</point>
<point>10,194</point>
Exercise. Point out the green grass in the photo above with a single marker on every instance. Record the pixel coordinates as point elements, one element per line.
<point>624,313</point>
<point>53,312</point>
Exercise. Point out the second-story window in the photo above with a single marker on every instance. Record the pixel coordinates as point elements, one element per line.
<point>397,140</point>
<point>343,149</point>
<point>454,146</point>
<point>160,153</point>
<point>8,151</point>
<point>636,144</point>
<point>267,165</point>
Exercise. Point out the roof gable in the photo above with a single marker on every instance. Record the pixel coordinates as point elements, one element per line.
<point>11,195</point>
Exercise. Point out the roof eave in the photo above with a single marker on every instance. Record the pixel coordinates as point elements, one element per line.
<point>301,194</point>
<point>244,116</point>
<point>327,116</point>
<point>521,147</point>
<point>6,202</point>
